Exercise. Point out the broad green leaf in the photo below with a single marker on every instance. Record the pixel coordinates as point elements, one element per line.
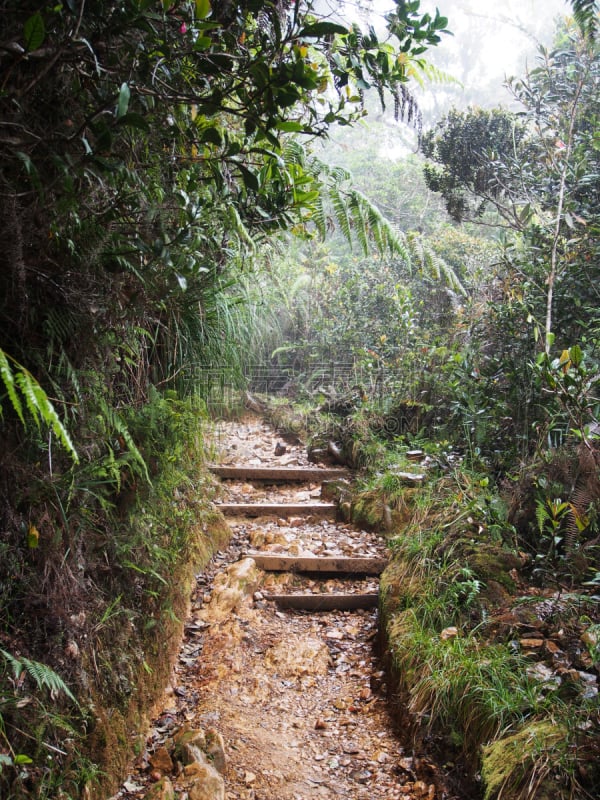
<point>576,355</point>
<point>249,178</point>
<point>289,126</point>
<point>123,102</point>
<point>211,135</point>
<point>34,31</point>
<point>318,29</point>
<point>202,43</point>
<point>21,758</point>
<point>203,8</point>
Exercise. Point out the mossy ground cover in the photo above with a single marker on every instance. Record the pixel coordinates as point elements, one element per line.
<point>492,663</point>
<point>114,564</point>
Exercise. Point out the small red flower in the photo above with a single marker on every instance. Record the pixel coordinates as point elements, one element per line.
<point>183,28</point>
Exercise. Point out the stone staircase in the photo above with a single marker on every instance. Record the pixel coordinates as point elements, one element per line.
<point>336,567</point>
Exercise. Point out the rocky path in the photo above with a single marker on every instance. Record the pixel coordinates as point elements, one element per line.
<point>289,704</point>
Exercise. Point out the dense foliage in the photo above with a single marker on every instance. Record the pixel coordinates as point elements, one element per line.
<point>148,151</point>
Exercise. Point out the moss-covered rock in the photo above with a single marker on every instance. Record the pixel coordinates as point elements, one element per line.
<point>515,764</point>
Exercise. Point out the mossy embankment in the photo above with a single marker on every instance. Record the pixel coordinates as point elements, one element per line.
<point>137,660</point>
<point>98,604</point>
<point>495,669</point>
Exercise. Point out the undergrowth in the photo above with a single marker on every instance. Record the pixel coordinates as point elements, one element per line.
<point>456,616</point>
<point>94,584</point>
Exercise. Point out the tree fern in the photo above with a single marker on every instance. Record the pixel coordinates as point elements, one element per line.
<point>37,403</point>
<point>434,266</point>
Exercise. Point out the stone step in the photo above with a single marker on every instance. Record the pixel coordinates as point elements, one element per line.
<point>278,509</point>
<point>279,474</point>
<point>325,602</point>
<point>342,565</point>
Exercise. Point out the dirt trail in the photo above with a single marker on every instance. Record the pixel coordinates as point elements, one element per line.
<point>298,696</point>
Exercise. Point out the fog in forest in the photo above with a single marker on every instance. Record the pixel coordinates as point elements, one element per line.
<point>488,44</point>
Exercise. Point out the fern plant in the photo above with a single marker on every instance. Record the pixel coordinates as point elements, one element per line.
<point>13,672</point>
<point>26,394</point>
<point>42,675</point>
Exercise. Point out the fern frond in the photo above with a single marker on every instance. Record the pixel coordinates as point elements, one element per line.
<point>359,218</point>
<point>293,152</point>
<point>51,418</point>
<point>586,16</point>
<point>339,175</point>
<point>340,210</point>
<point>36,400</point>
<point>118,426</point>
<point>434,266</point>
<point>43,676</point>
<point>9,383</point>
<point>319,218</point>
<point>380,229</point>
<point>434,74</point>
<point>541,515</point>
<point>25,383</point>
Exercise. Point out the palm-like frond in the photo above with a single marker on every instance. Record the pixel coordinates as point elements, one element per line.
<point>373,225</point>
<point>586,16</point>
<point>434,266</point>
<point>16,377</point>
<point>424,71</point>
<point>340,209</point>
<point>319,217</point>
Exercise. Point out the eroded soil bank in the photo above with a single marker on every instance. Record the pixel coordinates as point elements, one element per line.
<point>298,697</point>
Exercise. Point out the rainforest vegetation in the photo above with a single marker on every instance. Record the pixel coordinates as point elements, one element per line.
<point>171,216</point>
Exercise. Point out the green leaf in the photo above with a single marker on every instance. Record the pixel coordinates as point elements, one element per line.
<point>133,120</point>
<point>576,355</point>
<point>289,126</point>
<point>202,43</point>
<point>249,178</point>
<point>203,8</point>
<point>36,401</point>
<point>34,31</point>
<point>21,758</point>
<point>211,135</point>
<point>123,102</point>
<point>318,29</point>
